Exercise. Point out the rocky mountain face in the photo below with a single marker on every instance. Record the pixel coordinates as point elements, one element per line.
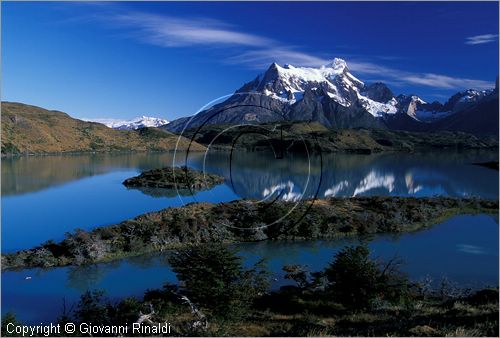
<point>475,112</point>
<point>333,96</point>
<point>379,92</point>
<point>469,111</point>
<point>466,99</point>
<point>417,108</point>
<point>330,95</point>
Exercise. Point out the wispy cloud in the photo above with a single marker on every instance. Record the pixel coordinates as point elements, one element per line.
<point>480,39</point>
<point>168,31</point>
<point>423,79</point>
<point>258,52</point>
<point>262,58</point>
<point>446,82</point>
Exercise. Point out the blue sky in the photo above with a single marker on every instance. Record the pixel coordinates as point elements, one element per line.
<point>168,59</point>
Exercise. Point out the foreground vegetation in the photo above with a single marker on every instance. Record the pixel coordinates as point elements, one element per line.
<point>243,220</point>
<point>354,295</point>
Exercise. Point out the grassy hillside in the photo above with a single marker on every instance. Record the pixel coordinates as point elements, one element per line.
<point>33,130</point>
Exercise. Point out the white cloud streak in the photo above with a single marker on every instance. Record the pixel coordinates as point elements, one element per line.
<point>168,31</point>
<point>262,58</point>
<point>480,39</point>
<point>259,51</point>
<point>446,82</point>
<point>423,79</point>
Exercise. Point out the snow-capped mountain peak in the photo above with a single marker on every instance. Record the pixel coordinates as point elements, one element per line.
<point>472,95</point>
<point>339,65</point>
<point>288,84</point>
<point>331,95</point>
<point>132,124</point>
<point>417,99</point>
<point>464,99</point>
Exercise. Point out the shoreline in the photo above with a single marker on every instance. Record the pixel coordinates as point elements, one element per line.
<point>224,149</point>
<point>79,153</point>
<point>292,241</point>
<point>195,223</point>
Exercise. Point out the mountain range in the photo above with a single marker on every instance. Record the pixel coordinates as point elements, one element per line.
<point>334,97</point>
<point>132,124</point>
<point>28,129</point>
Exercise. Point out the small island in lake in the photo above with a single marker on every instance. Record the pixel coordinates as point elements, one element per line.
<point>180,178</point>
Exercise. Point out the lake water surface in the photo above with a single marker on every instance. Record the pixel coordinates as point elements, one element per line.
<point>44,197</point>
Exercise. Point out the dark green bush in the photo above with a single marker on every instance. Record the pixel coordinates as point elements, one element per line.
<point>9,317</point>
<point>355,280</point>
<point>213,277</point>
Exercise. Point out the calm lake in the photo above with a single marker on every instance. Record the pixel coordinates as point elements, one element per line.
<point>44,197</point>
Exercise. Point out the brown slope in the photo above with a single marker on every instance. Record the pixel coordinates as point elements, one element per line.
<point>33,130</point>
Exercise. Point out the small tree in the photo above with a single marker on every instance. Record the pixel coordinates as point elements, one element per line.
<point>356,280</point>
<point>298,273</point>
<point>213,277</point>
<point>9,317</point>
<point>92,308</point>
<point>126,311</point>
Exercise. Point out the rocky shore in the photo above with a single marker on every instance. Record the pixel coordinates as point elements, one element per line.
<point>243,220</point>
